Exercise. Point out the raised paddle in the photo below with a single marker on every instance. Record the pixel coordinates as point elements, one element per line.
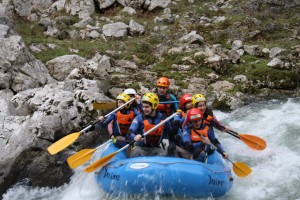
<point>252,141</point>
<point>83,156</point>
<point>69,139</point>
<point>239,168</point>
<point>104,105</point>
<point>112,105</point>
<point>102,161</point>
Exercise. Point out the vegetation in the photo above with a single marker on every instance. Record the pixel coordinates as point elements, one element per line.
<point>253,24</point>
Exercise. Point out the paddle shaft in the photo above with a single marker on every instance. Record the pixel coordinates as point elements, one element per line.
<point>240,169</point>
<point>231,132</point>
<point>254,142</point>
<point>166,102</point>
<point>105,143</point>
<point>209,143</point>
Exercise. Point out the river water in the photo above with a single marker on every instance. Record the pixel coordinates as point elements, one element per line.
<point>276,170</point>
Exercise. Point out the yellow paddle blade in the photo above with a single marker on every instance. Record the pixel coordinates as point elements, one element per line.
<point>253,142</point>
<point>104,105</point>
<point>241,169</point>
<point>80,157</point>
<point>62,143</point>
<point>101,162</point>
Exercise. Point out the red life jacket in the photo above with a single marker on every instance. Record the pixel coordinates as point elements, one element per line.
<point>153,138</point>
<point>195,137</point>
<point>124,121</point>
<point>165,108</point>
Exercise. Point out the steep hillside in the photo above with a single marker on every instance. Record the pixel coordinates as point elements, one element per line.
<point>265,31</point>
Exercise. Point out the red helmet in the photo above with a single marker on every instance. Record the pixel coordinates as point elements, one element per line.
<point>186,98</point>
<point>163,82</point>
<point>194,114</point>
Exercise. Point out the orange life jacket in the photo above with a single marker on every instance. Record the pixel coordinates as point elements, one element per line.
<point>124,121</point>
<point>153,138</point>
<point>208,120</point>
<point>165,108</point>
<point>195,137</point>
<point>183,114</point>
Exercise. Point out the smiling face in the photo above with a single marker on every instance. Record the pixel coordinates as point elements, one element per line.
<point>120,102</point>
<point>147,108</point>
<point>202,106</point>
<point>197,123</point>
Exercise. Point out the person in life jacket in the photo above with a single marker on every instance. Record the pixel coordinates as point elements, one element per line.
<point>133,105</point>
<point>137,103</point>
<point>150,144</point>
<point>199,101</point>
<point>121,119</point>
<point>197,136</point>
<point>163,93</point>
<point>185,103</point>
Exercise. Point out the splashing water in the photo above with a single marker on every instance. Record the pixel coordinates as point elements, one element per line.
<point>275,170</point>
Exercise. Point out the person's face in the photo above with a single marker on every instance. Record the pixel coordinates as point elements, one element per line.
<point>120,102</point>
<point>147,109</point>
<point>196,124</point>
<point>202,106</point>
<point>188,105</point>
<point>162,90</point>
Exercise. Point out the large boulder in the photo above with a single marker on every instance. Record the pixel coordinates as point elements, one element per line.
<point>18,68</point>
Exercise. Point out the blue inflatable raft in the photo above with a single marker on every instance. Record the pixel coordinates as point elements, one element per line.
<point>164,176</point>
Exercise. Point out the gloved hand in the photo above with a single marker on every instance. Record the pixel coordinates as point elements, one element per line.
<point>171,148</point>
<point>177,139</point>
<point>196,153</point>
<point>188,146</point>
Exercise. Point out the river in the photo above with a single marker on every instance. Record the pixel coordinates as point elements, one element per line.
<point>276,170</point>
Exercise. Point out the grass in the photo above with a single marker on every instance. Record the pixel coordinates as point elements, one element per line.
<point>275,29</point>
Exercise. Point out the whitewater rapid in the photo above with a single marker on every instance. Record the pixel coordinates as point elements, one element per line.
<point>275,174</point>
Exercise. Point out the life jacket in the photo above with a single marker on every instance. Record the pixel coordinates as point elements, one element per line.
<point>183,114</point>
<point>124,121</point>
<point>195,137</point>
<point>165,108</point>
<point>153,138</point>
<point>208,120</point>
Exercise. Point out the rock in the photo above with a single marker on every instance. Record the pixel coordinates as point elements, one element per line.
<point>60,67</point>
<point>118,29</point>
<point>275,52</point>
<point>135,28</point>
<point>276,63</point>
<point>222,86</point>
<point>35,118</point>
<point>237,44</point>
<point>191,38</point>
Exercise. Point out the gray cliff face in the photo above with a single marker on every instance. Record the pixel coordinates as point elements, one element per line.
<point>36,110</point>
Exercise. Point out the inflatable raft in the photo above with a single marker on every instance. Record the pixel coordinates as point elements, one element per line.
<point>164,175</point>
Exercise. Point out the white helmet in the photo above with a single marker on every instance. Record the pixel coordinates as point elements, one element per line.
<point>130,91</point>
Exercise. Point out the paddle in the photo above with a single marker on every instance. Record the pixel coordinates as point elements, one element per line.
<point>112,105</point>
<point>252,141</point>
<point>239,168</point>
<point>102,161</point>
<point>83,156</point>
<point>104,105</point>
<point>69,139</point>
